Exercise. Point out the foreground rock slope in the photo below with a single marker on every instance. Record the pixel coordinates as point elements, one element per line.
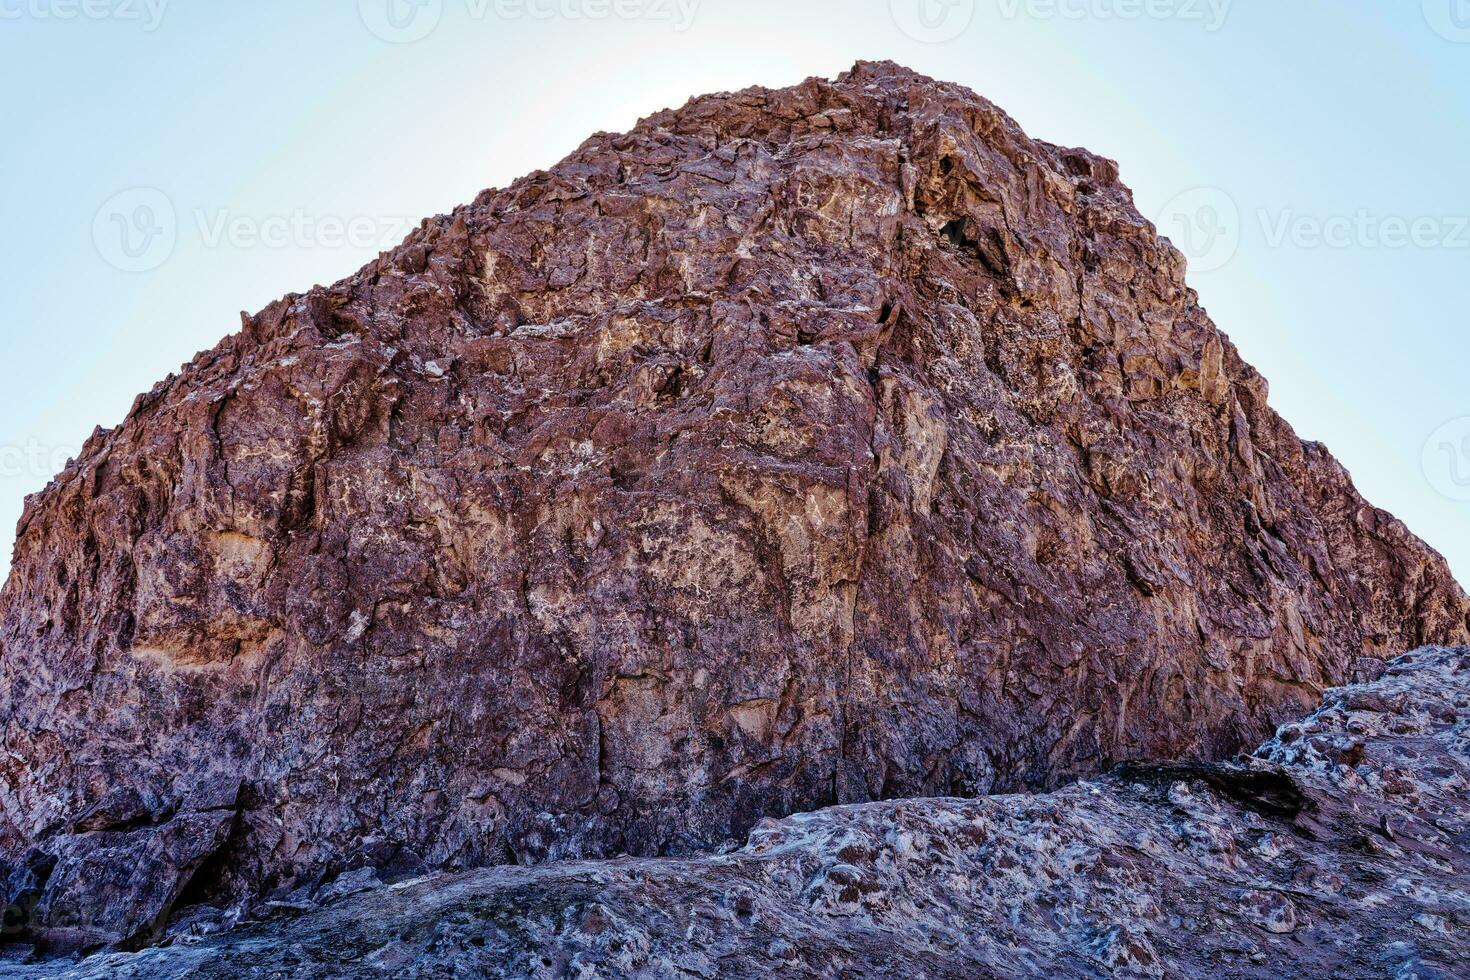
<point>832,444</point>
<point>1342,849</point>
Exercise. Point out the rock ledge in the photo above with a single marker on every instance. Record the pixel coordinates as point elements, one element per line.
<point>1341,848</point>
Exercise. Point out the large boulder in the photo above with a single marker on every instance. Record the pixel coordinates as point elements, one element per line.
<point>831,444</point>
<point>114,876</point>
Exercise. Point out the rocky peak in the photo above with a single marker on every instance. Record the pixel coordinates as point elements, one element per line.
<point>807,446</point>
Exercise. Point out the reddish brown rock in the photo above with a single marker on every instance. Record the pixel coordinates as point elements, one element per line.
<point>819,445</point>
<point>1342,849</point>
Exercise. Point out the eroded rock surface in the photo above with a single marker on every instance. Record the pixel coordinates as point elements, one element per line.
<point>832,444</point>
<point>1341,849</point>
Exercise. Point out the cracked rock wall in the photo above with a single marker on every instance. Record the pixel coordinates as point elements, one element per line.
<point>1341,849</point>
<point>830,444</point>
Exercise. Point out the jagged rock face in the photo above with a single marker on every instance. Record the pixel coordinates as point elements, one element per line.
<point>829,444</point>
<point>1341,850</point>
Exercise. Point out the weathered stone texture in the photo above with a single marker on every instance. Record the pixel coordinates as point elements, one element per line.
<point>832,444</point>
<point>1342,849</point>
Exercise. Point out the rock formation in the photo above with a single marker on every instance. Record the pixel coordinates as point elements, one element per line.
<point>825,445</point>
<point>1342,849</point>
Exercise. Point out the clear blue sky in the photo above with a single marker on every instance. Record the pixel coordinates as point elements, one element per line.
<point>1316,152</point>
